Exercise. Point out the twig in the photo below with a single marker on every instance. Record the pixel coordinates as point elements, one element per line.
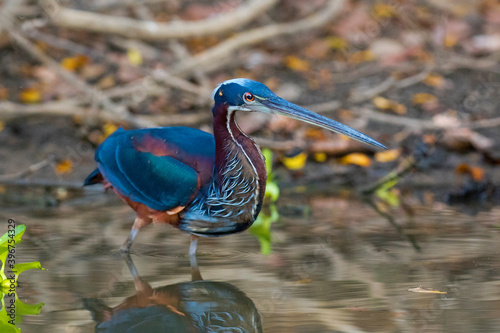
<point>406,165</point>
<point>149,86</point>
<point>485,123</point>
<point>131,28</point>
<point>214,57</point>
<point>396,120</point>
<point>10,110</point>
<point>42,183</point>
<point>181,52</point>
<point>388,84</point>
<point>31,169</point>
<point>67,107</point>
<point>391,220</point>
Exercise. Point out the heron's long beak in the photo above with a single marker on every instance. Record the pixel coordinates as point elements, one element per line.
<point>277,105</point>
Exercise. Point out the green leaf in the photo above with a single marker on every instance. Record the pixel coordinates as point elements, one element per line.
<point>388,196</point>
<point>5,326</point>
<point>268,157</point>
<point>23,309</point>
<point>19,268</point>
<point>272,191</point>
<point>18,233</point>
<point>261,228</point>
<point>8,328</point>
<point>4,245</point>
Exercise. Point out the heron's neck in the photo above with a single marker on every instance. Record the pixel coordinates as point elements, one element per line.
<point>240,170</point>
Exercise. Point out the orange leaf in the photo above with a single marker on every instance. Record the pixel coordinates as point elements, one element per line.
<point>357,159</point>
<point>74,63</point>
<point>384,11</point>
<point>315,134</point>
<point>383,103</point>
<point>387,104</point>
<point>423,98</point>
<point>387,155</point>
<point>30,95</point>
<point>361,56</point>
<point>65,166</point>
<point>296,64</point>
<point>434,80</point>
<point>477,173</point>
<point>450,40</point>
<point>462,168</point>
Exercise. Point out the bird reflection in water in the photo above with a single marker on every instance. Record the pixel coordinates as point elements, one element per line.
<point>195,306</point>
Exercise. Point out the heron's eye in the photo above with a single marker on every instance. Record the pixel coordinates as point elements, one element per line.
<point>249,97</point>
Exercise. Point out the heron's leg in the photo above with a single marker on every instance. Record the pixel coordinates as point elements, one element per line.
<point>142,287</point>
<point>138,224</point>
<point>195,271</point>
<point>130,265</point>
<point>125,248</point>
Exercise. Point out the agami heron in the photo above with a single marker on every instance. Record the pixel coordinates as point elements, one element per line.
<point>207,185</point>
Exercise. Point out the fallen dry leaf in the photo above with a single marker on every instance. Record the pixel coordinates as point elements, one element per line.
<point>357,159</point>
<point>30,95</point>
<point>107,129</point>
<point>337,43</point>
<point>382,10</point>
<point>463,138</point>
<point>361,56</point>
<point>434,80</point>
<point>477,173</point>
<point>423,98</point>
<point>74,63</point>
<point>296,64</point>
<point>65,166</point>
<point>419,289</point>
<point>296,162</point>
<point>387,104</point>
<point>134,56</point>
<point>315,134</point>
<point>320,157</point>
<point>387,155</point>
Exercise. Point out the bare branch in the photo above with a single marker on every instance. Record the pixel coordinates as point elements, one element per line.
<point>87,21</point>
<point>28,171</point>
<point>216,56</point>
<point>9,110</point>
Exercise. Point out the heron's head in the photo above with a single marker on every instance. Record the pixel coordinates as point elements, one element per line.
<point>249,95</point>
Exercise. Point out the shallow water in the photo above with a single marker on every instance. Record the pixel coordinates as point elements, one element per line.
<point>336,266</point>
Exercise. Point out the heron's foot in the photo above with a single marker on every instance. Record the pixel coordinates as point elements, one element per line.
<point>125,248</point>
